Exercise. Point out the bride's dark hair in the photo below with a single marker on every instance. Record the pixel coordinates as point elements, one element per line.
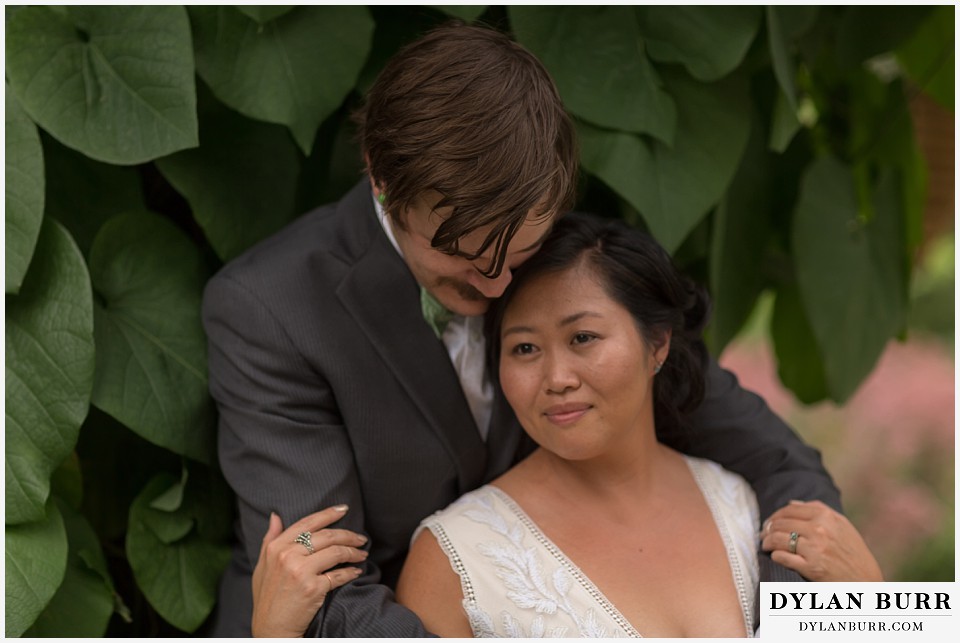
<point>638,274</point>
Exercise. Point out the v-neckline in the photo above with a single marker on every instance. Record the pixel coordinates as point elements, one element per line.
<point>568,564</point>
<point>732,560</point>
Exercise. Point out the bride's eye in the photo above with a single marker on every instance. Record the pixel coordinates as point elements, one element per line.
<point>523,349</point>
<point>583,338</point>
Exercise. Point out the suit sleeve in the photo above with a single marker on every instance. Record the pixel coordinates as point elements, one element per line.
<point>735,428</point>
<point>283,448</point>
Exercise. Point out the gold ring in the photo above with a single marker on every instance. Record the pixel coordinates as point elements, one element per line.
<point>794,537</point>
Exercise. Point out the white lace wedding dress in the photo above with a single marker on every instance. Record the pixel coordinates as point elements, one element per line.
<point>517,583</point>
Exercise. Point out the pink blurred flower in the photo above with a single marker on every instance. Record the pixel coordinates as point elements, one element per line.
<point>899,521</point>
<point>890,449</point>
<point>909,398</point>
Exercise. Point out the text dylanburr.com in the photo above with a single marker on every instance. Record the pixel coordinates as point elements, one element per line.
<point>859,611</point>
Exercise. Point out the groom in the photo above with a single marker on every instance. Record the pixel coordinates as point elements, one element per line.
<point>346,353</point>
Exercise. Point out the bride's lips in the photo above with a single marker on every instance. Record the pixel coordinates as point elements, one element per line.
<point>563,414</point>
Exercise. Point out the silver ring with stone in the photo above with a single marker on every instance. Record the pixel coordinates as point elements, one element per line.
<point>304,539</point>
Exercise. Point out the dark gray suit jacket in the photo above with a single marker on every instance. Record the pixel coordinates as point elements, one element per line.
<point>332,389</point>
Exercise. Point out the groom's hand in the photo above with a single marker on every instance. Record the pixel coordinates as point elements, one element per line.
<point>818,543</point>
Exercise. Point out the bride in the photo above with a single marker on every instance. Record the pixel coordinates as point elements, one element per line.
<point>603,530</point>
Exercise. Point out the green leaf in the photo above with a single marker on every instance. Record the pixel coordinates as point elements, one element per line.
<point>49,369</point>
<point>784,126</point>
<point>168,523</point>
<point>117,464</point>
<point>179,578</point>
<point>295,70</point>
<point>893,144</point>
<point>264,13</point>
<point>151,351</point>
<point>24,191</point>
<point>9,10</point>
<point>241,183</point>
<point>395,27</point>
<point>675,187</point>
<point>932,291</point>
<point>785,23</point>
<point>881,135</point>
<point>928,56</point>
<point>114,82</point>
<point>172,498</point>
<point>333,167</point>
<point>800,365</point>
<point>575,42</point>
<point>850,273</point>
<point>867,30</point>
<point>709,41</point>
<point>83,194</point>
<point>36,559</point>
<point>171,529</point>
<point>741,233</point>
<point>84,602</point>
<point>467,13</point>
<point>915,182</point>
<point>66,483</point>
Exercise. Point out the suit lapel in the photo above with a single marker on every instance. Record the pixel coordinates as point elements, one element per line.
<point>383,297</point>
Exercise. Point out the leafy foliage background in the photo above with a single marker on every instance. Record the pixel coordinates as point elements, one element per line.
<point>768,148</point>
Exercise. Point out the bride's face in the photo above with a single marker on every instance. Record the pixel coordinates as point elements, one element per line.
<point>575,367</point>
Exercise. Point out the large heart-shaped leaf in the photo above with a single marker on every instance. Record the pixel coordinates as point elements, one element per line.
<point>799,363</point>
<point>264,13</point>
<point>850,272</point>
<point>294,70</point>
<point>784,125</point>
<point>332,170</point>
<point>23,197</point>
<point>709,41</point>
<point>928,56</point>
<point>179,578</point>
<point>784,25</point>
<point>114,82</point>
<point>83,194</point>
<point>467,13</point>
<point>66,483</point>
<point>241,183</point>
<point>891,142</point>
<point>741,232</point>
<point>35,562</point>
<point>151,351</point>
<point>49,368</point>
<point>674,187</point>
<point>597,59</point>
<point>84,602</point>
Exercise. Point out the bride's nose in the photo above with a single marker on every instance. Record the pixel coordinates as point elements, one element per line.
<point>559,375</point>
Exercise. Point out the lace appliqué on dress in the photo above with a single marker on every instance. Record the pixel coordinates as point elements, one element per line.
<point>517,583</point>
<point>528,586</point>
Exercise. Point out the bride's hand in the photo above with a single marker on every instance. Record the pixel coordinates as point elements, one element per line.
<point>293,575</point>
<point>826,546</point>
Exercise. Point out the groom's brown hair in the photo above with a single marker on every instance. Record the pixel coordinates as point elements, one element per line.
<point>466,112</point>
